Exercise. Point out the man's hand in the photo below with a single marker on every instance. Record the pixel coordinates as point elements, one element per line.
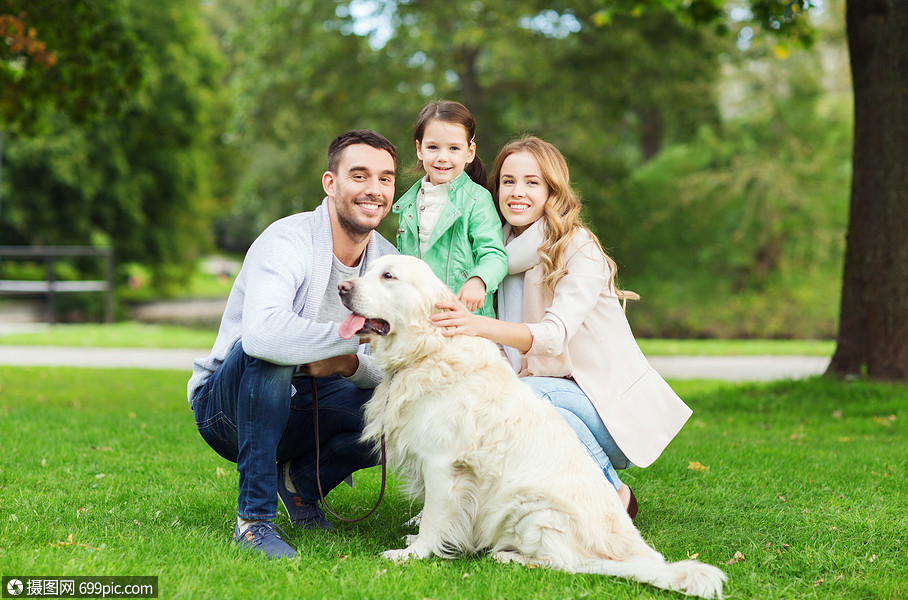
<point>473,293</point>
<point>345,365</point>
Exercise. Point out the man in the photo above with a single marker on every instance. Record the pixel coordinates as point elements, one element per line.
<point>281,323</point>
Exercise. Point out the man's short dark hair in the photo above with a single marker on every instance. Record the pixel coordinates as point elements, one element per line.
<point>358,136</point>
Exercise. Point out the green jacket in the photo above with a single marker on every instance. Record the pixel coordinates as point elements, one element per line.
<point>466,241</point>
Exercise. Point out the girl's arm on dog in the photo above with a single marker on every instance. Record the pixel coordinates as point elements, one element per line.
<point>457,320</point>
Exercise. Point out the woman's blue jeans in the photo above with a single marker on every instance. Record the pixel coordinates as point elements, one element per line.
<point>247,412</point>
<point>577,410</point>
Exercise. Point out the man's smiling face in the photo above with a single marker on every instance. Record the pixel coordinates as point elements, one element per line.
<point>362,188</point>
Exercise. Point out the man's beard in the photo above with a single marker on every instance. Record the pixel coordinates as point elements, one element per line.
<point>353,228</point>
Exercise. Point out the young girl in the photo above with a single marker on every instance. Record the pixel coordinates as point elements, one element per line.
<point>563,326</point>
<point>448,218</point>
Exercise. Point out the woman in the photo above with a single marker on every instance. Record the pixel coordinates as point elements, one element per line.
<point>562,324</point>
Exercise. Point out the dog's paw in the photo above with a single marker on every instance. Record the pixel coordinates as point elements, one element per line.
<point>506,557</point>
<point>398,556</point>
<point>414,550</point>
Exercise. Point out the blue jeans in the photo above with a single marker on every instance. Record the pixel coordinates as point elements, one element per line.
<point>577,410</point>
<point>246,413</point>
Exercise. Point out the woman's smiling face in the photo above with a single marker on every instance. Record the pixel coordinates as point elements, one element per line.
<point>522,192</point>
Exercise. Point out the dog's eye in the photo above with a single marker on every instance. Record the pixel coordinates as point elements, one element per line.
<point>388,275</point>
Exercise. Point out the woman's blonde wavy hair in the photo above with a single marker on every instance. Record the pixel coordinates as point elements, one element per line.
<point>561,211</point>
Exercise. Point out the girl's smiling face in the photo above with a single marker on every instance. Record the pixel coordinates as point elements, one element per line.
<point>522,192</point>
<point>444,151</point>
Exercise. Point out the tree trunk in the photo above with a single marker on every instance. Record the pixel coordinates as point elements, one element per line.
<point>873,328</point>
<point>473,94</point>
<point>1,185</point>
<point>651,131</point>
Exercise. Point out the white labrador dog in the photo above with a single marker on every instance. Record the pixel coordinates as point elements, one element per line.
<point>498,468</point>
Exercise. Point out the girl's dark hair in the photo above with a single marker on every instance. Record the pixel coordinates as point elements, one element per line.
<point>449,111</point>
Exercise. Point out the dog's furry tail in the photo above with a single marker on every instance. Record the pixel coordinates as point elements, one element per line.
<point>689,577</point>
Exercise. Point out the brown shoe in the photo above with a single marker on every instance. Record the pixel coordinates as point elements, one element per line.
<point>632,507</point>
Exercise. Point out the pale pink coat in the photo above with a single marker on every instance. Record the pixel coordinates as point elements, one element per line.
<point>583,333</point>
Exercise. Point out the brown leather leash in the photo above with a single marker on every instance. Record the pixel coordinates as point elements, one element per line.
<point>318,477</point>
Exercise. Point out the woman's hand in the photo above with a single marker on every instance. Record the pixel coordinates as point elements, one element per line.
<point>456,319</point>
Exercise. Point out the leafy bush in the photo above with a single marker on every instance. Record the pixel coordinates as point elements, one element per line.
<point>739,233</point>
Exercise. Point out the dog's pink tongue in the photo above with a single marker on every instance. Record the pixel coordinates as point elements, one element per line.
<point>351,325</point>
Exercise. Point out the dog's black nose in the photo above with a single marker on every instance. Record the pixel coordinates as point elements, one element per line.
<point>344,288</point>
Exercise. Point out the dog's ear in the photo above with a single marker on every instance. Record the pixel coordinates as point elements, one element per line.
<point>431,292</point>
<point>439,293</point>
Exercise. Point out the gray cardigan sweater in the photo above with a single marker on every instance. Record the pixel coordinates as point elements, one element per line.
<point>274,301</point>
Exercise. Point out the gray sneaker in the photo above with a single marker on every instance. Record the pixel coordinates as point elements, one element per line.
<point>263,536</point>
<point>302,512</point>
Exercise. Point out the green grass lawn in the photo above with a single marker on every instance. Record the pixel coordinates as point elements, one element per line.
<point>103,473</point>
<point>660,347</point>
<point>138,335</point>
<point>116,335</point>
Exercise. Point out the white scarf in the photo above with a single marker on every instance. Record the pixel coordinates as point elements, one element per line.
<point>430,199</point>
<point>523,255</point>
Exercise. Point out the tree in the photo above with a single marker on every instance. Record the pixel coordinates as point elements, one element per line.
<point>139,180</point>
<point>76,57</point>
<point>518,67</point>
<point>740,232</point>
<point>302,77</point>
<point>873,321</point>
<point>873,330</point>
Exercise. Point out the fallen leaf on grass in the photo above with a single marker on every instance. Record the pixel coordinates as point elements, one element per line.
<point>782,498</point>
<point>696,466</point>
<point>836,414</point>
<point>79,511</point>
<point>102,448</point>
<point>220,472</point>
<point>69,542</point>
<point>341,557</point>
<point>817,582</point>
<point>737,557</point>
<point>884,421</point>
<point>693,556</point>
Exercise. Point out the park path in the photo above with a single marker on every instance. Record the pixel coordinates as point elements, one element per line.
<point>728,368</point>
